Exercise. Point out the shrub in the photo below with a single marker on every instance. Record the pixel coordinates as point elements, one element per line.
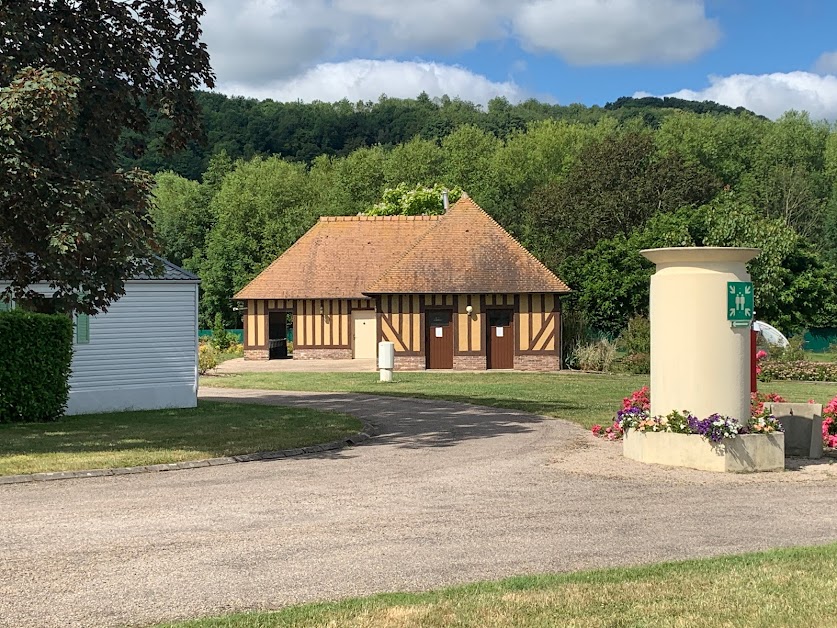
<point>36,350</point>
<point>798,371</point>
<point>221,338</point>
<point>207,358</point>
<point>636,363</point>
<point>636,339</point>
<point>596,356</point>
<point>794,352</point>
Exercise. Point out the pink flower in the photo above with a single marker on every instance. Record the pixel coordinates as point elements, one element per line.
<point>761,355</point>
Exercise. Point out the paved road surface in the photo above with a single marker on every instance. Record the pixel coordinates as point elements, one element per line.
<point>447,493</point>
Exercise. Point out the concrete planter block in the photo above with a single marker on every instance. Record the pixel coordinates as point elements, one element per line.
<point>743,454</point>
<point>803,428</point>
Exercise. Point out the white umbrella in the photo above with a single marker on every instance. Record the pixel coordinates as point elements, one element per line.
<point>772,335</point>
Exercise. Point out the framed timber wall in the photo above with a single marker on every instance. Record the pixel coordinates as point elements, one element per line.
<point>536,321</point>
<point>256,319</point>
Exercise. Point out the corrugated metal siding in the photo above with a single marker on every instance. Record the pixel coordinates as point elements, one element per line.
<point>146,338</point>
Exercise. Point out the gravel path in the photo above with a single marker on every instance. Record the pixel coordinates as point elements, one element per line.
<point>446,493</point>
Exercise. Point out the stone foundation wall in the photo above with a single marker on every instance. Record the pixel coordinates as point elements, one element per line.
<point>256,354</point>
<point>470,363</point>
<point>322,354</point>
<point>410,362</point>
<point>537,363</point>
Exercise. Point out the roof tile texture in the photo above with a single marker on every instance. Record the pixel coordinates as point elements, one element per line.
<point>467,252</point>
<point>338,258</point>
<point>347,257</point>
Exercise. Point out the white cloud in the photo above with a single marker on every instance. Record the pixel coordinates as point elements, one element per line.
<point>367,79</point>
<point>428,25</point>
<point>772,94</point>
<point>594,32</point>
<point>827,63</point>
<point>252,42</point>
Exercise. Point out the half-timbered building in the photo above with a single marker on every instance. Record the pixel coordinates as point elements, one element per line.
<point>454,291</point>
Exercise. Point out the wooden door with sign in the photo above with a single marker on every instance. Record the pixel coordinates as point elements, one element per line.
<point>439,341</point>
<point>500,344</point>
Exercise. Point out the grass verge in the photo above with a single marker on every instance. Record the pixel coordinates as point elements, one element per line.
<point>127,439</point>
<point>788,587</point>
<point>582,398</point>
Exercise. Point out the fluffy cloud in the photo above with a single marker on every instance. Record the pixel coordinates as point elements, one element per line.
<point>252,42</point>
<point>827,63</point>
<point>772,94</point>
<point>590,32</point>
<point>366,79</point>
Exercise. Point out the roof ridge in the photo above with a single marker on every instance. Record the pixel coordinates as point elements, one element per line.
<point>365,218</point>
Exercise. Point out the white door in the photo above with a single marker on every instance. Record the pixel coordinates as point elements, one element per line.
<point>365,325</point>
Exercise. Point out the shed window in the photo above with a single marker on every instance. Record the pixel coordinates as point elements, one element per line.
<point>82,329</point>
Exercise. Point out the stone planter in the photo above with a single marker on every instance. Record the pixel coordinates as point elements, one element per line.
<point>742,454</point>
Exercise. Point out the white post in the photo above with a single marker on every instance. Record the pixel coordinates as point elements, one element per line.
<point>700,340</point>
<point>386,360</point>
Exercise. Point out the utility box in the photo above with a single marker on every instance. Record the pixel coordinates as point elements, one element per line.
<point>386,360</point>
<point>802,423</point>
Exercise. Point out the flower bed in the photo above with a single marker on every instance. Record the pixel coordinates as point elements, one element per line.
<point>797,371</point>
<point>635,415</point>
<point>829,424</point>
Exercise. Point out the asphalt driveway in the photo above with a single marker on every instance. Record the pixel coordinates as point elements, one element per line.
<point>445,493</point>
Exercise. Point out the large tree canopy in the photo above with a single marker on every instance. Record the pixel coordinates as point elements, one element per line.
<point>75,79</point>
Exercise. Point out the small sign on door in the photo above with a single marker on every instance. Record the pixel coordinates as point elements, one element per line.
<point>439,332</point>
<point>500,332</point>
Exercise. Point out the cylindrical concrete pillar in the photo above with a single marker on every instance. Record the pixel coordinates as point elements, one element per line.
<point>700,361</point>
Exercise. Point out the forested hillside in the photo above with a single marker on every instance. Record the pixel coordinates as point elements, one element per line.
<point>244,127</point>
<point>583,188</point>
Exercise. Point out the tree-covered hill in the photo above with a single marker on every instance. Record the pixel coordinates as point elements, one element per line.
<point>244,127</point>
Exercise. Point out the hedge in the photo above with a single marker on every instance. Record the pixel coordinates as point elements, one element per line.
<point>35,355</point>
<point>799,371</point>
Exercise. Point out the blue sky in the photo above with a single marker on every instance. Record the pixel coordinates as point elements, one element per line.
<point>768,56</point>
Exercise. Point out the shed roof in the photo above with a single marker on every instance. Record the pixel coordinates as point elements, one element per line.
<point>169,272</point>
<point>467,252</point>
<point>338,258</point>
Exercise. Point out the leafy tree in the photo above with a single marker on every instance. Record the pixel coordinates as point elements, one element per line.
<point>795,288</point>
<point>73,76</point>
<point>263,207</point>
<point>181,222</point>
<point>417,201</point>
<point>616,186</point>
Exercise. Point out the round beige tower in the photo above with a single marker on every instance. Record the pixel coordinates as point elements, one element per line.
<point>700,310</point>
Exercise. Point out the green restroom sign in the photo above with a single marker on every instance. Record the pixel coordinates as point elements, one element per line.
<point>739,300</point>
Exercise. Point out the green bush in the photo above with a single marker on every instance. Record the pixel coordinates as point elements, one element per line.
<point>636,363</point>
<point>207,358</point>
<point>799,371</point>
<point>36,351</point>
<point>635,341</point>
<point>221,338</point>
<point>794,352</point>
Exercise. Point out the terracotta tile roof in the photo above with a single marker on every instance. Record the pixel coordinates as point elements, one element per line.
<point>349,257</point>
<point>467,252</point>
<point>338,258</point>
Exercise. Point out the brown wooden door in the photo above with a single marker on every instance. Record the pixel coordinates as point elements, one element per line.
<point>439,341</point>
<point>500,342</point>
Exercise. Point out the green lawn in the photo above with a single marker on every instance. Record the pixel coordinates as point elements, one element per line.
<point>825,356</point>
<point>790,587</point>
<point>585,399</point>
<point>127,439</point>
